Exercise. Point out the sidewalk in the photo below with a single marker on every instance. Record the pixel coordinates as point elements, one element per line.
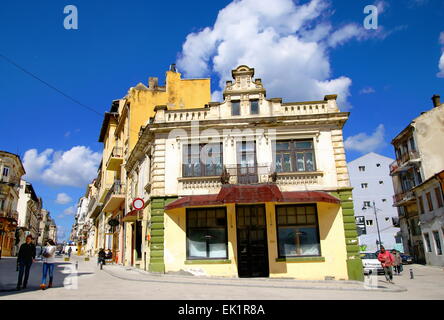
<point>134,274</point>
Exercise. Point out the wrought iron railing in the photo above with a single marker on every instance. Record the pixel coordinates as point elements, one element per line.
<point>116,189</point>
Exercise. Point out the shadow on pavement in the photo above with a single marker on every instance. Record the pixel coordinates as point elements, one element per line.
<point>63,271</point>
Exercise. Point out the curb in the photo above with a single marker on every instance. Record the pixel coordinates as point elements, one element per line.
<point>233,284</point>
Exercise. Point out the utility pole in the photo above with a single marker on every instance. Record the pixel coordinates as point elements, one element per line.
<point>377,224</point>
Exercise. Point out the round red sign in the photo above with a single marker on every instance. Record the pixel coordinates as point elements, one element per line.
<point>138,203</point>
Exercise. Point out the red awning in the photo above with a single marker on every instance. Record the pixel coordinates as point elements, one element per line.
<point>252,194</point>
<point>130,216</point>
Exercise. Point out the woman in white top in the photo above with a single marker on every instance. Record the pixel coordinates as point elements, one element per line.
<point>48,263</point>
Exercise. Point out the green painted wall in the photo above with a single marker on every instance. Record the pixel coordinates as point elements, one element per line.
<point>157,263</point>
<point>354,262</point>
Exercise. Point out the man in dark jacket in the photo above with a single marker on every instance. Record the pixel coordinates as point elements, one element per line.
<point>25,259</point>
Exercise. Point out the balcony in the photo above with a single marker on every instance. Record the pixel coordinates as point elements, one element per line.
<point>115,197</point>
<point>94,207</point>
<point>115,159</point>
<point>404,162</point>
<point>403,198</point>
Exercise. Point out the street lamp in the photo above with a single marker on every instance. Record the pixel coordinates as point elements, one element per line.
<point>376,216</point>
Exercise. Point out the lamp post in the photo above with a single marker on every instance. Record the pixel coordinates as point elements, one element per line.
<point>376,216</point>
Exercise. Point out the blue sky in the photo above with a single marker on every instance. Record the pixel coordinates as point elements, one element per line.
<point>386,77</point>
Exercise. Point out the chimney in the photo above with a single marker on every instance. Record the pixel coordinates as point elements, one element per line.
<point>436,100</point>
<point>153,82</point>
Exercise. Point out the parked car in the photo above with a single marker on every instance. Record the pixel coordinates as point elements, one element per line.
<point>371,263</point>
<point>406,259</point>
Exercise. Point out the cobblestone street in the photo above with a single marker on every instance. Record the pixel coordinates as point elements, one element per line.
<point>120,283</point>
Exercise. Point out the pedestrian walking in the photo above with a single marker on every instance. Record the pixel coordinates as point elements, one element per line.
<point>397,265</point>
<point>69,252</point>
<point>387,260</point>
<point>25,258</point>
<point>48,263</point>
<point>102,257</point>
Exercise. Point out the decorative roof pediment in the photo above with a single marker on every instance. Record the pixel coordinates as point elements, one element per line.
<point>243,82</point>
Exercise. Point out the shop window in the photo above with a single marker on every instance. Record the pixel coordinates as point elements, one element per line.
<point>437,242</point>
<point>295,156</point>
<point>438,195</point>
<point>427,242</point>
<point>254,104</point>
<point>202,160</point>
<point>235,108</point>
<point>207,233</point>
<point>298,231</point>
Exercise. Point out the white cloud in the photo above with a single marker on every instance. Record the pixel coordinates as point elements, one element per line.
<point>288,45</point>
<point>364,143</point>
<point>70,211</point>
<point>63,198</point>
<point>367,90</point>
<point>441,67</point>
<point>61,233</point>
<point>75,167</point>
<point>441,60</point>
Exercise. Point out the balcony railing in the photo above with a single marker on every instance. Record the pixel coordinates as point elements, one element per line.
<point>92,202</point>
<point>10,181</point>
<point>403,197</point>
<point>404,159</point>
<point>115,159</point>
<point>116,191</point>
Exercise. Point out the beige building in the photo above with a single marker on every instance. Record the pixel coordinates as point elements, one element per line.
<point>419,156</point>
<point>247,187</point>
<point>11,172</point>
<point>29,208</point>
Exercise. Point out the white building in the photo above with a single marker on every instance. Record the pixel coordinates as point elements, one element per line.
<point>371,182</point>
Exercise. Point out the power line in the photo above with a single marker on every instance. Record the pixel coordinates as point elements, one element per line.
<point>49,85</point>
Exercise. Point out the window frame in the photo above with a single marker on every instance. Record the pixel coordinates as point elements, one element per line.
<point>7,170</point>
<point>437,241</point>
<point>279,256</point>
<point>427,242</point>
<point>421,205</point>
<point>294,151</point>
<point>438,195</point>
<point>251,107</point>
<point>202,166</point>
<point>238,102</point>
<point>429,201</point>
<point>187,230</point>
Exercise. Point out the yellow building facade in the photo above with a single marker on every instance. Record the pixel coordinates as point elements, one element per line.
<point>119,134</point>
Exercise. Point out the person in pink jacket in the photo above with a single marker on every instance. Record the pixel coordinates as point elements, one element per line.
<point>387,260</point>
